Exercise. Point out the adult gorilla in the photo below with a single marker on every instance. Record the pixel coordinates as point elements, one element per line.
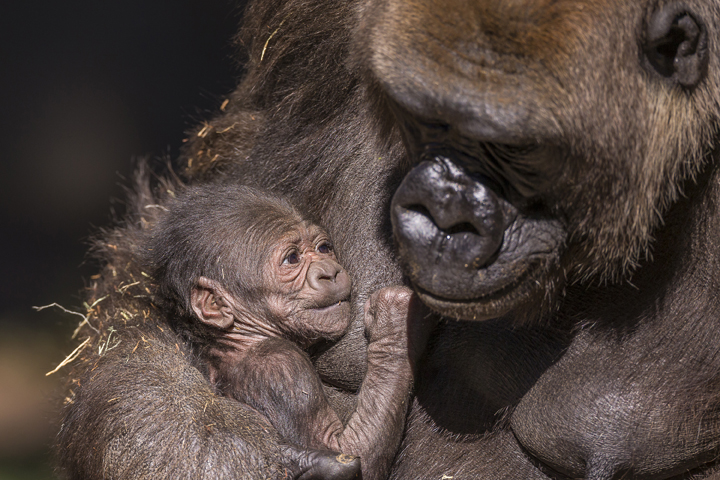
<point>555,163</point>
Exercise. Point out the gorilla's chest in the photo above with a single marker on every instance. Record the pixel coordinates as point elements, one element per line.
<point>604,411</point>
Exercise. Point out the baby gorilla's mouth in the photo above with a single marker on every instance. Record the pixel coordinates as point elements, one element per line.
<point>334,305</point>
<point>327,321</point>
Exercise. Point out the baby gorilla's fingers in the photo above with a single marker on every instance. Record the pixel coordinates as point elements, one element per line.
<point>386,312</point>
<point>323,465</point>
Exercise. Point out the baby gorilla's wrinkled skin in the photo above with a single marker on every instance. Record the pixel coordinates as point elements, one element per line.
<point>296,295</point>
<point>306,296</point>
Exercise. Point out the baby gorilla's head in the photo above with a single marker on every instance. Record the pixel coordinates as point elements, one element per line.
<point>229,258</point>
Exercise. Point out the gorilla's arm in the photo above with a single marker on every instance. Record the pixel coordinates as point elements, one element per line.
<point>143,411</point>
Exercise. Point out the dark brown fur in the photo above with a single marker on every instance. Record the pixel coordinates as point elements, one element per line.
<point>619,379</point>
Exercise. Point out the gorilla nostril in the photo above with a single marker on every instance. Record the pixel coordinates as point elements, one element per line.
<point>327,274</point>
<point>417,208</point>
<point>464,227</point>
<point>320,276</point>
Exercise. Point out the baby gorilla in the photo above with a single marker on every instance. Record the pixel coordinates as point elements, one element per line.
<point>251,284</point>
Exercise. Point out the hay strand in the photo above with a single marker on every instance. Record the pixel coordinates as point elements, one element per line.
<point>262,54</point>
<point>75,353</point>
<point>85,320</point>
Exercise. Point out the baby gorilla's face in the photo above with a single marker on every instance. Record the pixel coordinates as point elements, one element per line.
<point>306,285</point>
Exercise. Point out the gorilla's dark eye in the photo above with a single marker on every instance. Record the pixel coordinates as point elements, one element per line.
<point>292,258</point>
<point>324,248</point>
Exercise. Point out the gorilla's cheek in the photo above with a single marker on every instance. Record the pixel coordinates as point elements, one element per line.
<point>468,252</point>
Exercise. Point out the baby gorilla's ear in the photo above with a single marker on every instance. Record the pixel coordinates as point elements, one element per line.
<point>210,302</point>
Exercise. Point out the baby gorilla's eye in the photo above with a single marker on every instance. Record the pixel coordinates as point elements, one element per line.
<point>292,258</point>
<point>324,248</point>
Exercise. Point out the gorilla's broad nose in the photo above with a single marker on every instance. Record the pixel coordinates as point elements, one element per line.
<point>445,221</point>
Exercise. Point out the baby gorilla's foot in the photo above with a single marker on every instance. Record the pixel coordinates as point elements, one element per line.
<point>323,465</point>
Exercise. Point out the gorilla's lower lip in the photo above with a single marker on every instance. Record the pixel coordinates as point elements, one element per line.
<point>499,293</point>
<point>493,304</point>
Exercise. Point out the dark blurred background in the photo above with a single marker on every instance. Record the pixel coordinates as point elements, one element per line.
<point>85,88</point>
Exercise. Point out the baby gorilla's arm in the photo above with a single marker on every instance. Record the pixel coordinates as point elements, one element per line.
<point>375,429</point>
<point>278,379</point>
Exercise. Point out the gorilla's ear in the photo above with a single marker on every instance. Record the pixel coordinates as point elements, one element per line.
<point>676,45</point>
<point>210,302</point>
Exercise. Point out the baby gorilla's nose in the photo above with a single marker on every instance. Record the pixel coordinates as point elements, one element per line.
<point>323,271</point>
<point>328,277</point>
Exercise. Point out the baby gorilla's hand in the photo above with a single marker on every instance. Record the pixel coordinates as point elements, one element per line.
<point>386,313</point>
<point>321,465</point>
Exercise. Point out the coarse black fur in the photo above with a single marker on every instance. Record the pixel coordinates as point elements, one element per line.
<point>609,368</point>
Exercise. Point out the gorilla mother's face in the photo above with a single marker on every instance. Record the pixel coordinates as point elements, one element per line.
<point>547,138</point>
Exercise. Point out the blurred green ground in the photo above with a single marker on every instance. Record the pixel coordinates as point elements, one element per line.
<point>30,468</point>
<point>31,344</point>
